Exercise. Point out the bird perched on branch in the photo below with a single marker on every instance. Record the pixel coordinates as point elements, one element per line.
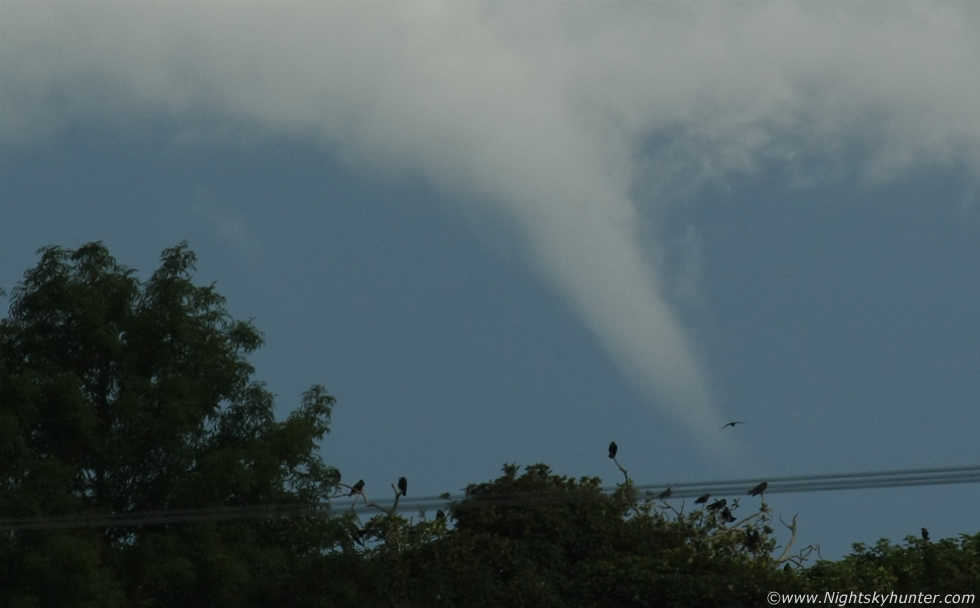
<point>718,504</point>
<point>925,535</point>
<point>759,489</point>
<point>665,494</point>
<point>702,499</point>
<point>726,515</point>
<point>733,423</point>
<point>403,485</point>
<point>357,488</point>
<point>613,448</point>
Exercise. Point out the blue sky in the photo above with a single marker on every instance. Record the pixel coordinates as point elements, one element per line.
<point>512,233</point>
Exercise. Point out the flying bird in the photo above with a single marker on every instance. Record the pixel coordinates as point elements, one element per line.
<point>718,504</point>
<point>733,423</point>
<point>925,535</point>
<point>403,485</point>
<point>702,499</point>
<point>357,488</point>
<point>613,448</point>
<point>759,489</point>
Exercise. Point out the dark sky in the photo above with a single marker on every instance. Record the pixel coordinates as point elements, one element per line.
<point>502,234</point>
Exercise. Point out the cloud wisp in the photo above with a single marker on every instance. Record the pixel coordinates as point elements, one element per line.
<point>543,113</point>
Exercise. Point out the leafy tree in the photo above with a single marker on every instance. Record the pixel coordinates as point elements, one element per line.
<point>918,566</point>
<point>539,539</point>
<point>140,465</point>
<point>119,396</point>
<point>533,538</point>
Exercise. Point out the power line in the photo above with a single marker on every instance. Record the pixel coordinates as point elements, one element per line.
<point>160,517</point>
<point>726,488</point>
<point>775,485</point>
<point>825,482</point>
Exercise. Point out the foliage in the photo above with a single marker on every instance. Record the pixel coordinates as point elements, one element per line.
<point>917,566</point>
<point>533,538</point>
<point>539,539</point>
<point>127,397</point>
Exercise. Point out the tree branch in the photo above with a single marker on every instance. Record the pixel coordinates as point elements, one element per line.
<point>792,540</point>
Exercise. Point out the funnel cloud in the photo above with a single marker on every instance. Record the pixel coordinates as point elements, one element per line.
<point>540,116</point>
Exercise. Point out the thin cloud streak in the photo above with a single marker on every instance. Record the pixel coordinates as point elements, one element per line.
<point>541,113</point>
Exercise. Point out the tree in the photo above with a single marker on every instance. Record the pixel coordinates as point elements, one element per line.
<point>539,539</point>
<point>126,397</point>
<point>533,538</point>
<point>918,566</point>
<point>141,465</point>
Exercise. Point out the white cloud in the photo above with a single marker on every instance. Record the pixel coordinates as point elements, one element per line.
<point>548,113</point>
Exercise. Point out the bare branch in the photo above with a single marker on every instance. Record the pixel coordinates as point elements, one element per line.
<point>671,507</point>
<point>629,485</point>
<point>792,540</point>
<point>624,471</point>
<point>736,525</point>
<point>391,510</point>
<point>353,492</point>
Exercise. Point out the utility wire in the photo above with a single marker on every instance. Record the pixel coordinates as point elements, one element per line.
<point>831,481</point>
<point>729,488</point>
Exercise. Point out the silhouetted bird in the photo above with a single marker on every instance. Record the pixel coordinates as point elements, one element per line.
<point>702,499</point>
<point>666,493</point>
<point>718,504</point>
<point>403,485</point>
<point>357,488</point>
<point>752,538</point>
<point>759,489</point>
<point>787,567</point>
<point>733,423</point>
<point>726,516</point>
<point>440,514</point>
<point>925,534</point>
<point>613,448</point>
